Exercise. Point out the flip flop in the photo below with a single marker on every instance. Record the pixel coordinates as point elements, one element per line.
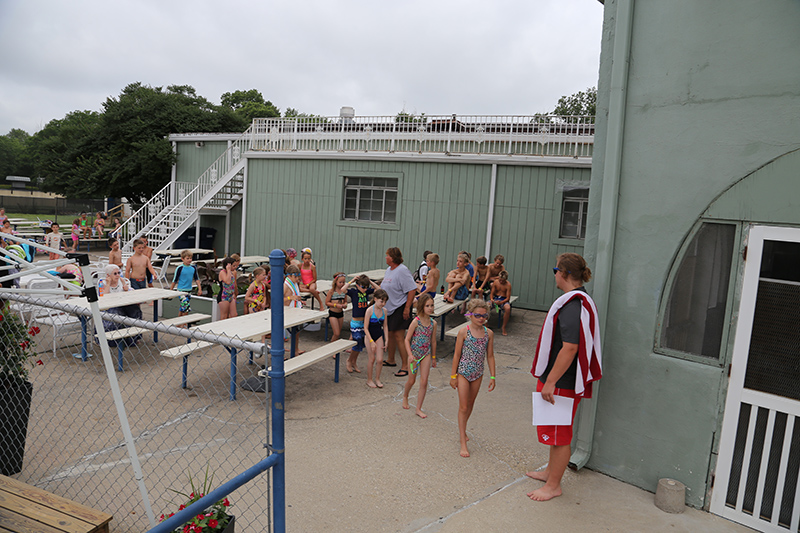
<point>389,364</point>
<point>401,373</point>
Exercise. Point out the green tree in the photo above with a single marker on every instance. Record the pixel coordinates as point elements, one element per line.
<point>15,157</point>
<point>404,116</point>
<point>124,150</point>
<point>65,155</point>
<point>580,103</point>
<point>248,105</point>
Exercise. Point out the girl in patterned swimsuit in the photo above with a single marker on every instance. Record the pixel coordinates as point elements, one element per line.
<point>473,344</point>
<point>256,296</point>
<point>420,343</point>
<point>226,299</point>
<point>376,332</point>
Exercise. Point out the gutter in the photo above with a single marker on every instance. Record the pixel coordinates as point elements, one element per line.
<point>609,203</point>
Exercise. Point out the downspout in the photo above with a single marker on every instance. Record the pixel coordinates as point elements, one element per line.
<point>244,208</point>
<point>174,174</point>
<point>609,201</point>
<point>492,189</point>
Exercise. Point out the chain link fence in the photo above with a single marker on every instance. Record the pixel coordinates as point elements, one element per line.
<point>75,445</point>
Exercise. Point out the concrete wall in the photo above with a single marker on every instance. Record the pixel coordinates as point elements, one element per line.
<point>712,95</point>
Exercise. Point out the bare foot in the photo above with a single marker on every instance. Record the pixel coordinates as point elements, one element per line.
<point>464,451</point>
<point>379,384</point>
<point>355,369</point>
<point>349,367</point>
<point>371,384</point>
<point>405,403</point>
<point>504,332</point>
<point>539,475</point>
<point>544,493</point>
<point>421,414</point>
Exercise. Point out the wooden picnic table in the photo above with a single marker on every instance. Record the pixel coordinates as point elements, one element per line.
<point>375,275</point>
<point>119,299</point>
<point>441,309</point>
<point>252,260</point>
<point>254,326</point>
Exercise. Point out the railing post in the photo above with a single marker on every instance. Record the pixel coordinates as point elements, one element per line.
<point>450,132</point>
<point>294,136</point>
<point>394,130</point>
<point>278,391</point>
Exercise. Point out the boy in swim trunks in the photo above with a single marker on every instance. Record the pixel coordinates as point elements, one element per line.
<point>139,265</point>
<point>501,294</point>
<point>185,276</point>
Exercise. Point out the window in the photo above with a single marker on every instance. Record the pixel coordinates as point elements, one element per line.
<point>574,208</point>
<point>694,317</point>
<point>370,200</point>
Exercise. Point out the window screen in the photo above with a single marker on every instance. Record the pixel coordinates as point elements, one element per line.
<point>370,200</point>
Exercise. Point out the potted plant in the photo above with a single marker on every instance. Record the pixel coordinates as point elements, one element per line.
<point>213,518</point>
<point>17,357</point>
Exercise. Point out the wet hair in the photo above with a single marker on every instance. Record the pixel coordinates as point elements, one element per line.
<point>111,241</point>
<point>482,260</point>
<point>137,242</point>
<point>426,254</point>
<point>469,255</point>
<point>503,275</point>
<point>54,225</point>
<point>380,294</point>
<point>336,276</point>
<point>227,261</point>
<point>236,257</point>
<point>434,258</point>
<point>421,301</point>
<point>464,257</point>
<point>477,303</point>
<point>292,269</point>
<point>501,258</point>
<point>396,255</point>
<point>304,254</point>
<point>184,254</point>
<point>574,266</point>
<point>363,281</point>
<point>259,270</point>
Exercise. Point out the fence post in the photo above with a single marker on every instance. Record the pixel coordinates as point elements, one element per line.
<point>278,390</point>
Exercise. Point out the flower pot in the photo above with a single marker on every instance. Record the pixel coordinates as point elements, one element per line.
<point>230,528</point>
<point>15,408</point>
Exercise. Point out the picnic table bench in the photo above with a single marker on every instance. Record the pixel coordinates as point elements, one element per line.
<point>453,332</point>
<point>120,334</point>
<point>24,508</point>
<point>314,356</point>
<point>89,243</point>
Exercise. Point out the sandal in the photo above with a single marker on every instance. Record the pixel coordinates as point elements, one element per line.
<point>401,373</point>
<point>389,364</point>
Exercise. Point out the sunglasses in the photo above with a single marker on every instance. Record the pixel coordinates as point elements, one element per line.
<point>480,315</point>
<point>556,270</point>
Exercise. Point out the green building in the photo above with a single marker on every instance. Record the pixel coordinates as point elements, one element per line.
<point>350,187</point>
<point>694,238</point>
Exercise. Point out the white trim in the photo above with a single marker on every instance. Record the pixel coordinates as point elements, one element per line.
<point>244,209</point>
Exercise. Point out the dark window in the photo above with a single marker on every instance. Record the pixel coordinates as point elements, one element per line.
<point>695,314</point>
<point>370,200</point>
<point>574,208</point>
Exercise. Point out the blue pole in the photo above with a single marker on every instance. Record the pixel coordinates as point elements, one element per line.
<point>181,517</point>
<point>276,375</point>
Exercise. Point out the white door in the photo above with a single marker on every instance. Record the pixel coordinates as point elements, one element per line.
<point>756,480</point>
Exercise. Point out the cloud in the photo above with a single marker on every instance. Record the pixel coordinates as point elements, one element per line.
<point>468,57</point>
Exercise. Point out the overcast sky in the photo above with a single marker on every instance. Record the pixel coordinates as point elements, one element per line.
<point>423,56</point>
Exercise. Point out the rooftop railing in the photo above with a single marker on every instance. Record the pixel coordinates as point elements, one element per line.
<point>517,135</point>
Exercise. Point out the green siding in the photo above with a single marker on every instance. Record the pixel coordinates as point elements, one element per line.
<point>442,207</point>
<point>193,160</point>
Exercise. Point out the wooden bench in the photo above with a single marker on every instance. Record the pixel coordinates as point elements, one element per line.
<point>89,242</point>
<point>454,331</point>
<point>314,356</point>
<point>500,311</point>
<point>119,334</point>
<point>24,508</point>
<point>184,351</point>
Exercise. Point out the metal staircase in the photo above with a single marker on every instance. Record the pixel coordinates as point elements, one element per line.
<point>176,207</point>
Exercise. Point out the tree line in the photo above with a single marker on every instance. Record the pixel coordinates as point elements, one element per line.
<point>123,151</point>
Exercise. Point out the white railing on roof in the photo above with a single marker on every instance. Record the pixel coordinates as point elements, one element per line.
<point>167,210</point>
<point>539,135</point>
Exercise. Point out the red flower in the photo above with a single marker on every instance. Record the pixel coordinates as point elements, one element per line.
<point>161,519</point>
<point>34,330</point>
<point>200,517</point>
<point>186,528</point>
<point>191,495</point>
<point>24,345</point>
<point>212,523</point>
<point>39,362</point>
<point>225,502</point>
<point>182,507</point>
